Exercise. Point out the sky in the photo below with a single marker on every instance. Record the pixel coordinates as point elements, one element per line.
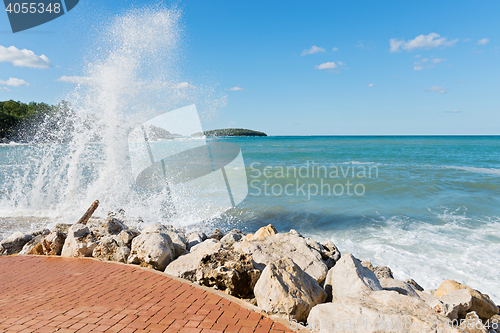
<point>298,67</point>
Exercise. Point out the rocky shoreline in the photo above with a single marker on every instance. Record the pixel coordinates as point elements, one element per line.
<point>284,274</point>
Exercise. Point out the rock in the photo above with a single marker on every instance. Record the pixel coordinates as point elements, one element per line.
<point>348,278</point>
<point>4,141</point>
<point>380,311</point>
<point>473,324</point>
<point>104,228</point>
<point>37,239</point>
<point>194,238</point>
<point>152,249</point>
<point>456,304</point>
<point>37,250</point>
<point>127,236</point>
<point>111,249</point>
<point>367,264</point>
<point>41,232</point>
<point>63,227</point>
<point>272,248</point>
<point>329,253</point>
<point>176,236</point>
<point>14,243</point>
<point>494,324</point>
<point>79,242</point>
<point>262,233</point>
<point>230,271</point>
<point>53,243</point>
<point>232,237</point>
<point>383,272</point>
<point>415,285</point>
<point>434,303</point>
<point>285,289</point>
<point>185,266</point>
<point>398,286</point>
<point>481,303</point>
<point>217,235</point>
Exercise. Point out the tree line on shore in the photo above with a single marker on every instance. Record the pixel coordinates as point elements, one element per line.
<point>21,122</point>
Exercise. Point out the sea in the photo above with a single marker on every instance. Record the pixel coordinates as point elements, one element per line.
<point>426,206</point>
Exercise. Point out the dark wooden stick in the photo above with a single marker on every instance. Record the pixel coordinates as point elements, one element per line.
<point>88,214</point>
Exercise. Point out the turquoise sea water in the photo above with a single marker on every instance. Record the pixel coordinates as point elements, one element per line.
<point>428,207</point>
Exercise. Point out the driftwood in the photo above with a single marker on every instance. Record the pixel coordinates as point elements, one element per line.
<point>88,214</point>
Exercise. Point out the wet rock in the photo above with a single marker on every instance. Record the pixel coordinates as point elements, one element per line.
<point>415,285</point>
<point>377,312</point>
<point>14,243</point>
<point>79,242</point>
<point>284,289</point>
<point>217,235</point>
<point>473,324</point>
<point>383,272</point>
<point>232,237</point>
<point>111,249</point>
<point>230,271</point>
<point>270,249</point>
<point>185,266</point>
<point>398,286</point>
<point>481,303</point>
<point>152,249</point>
<point>53,243</point>
<point>348,278</point>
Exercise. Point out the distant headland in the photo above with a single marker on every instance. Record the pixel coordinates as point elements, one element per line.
<point>230,132</point>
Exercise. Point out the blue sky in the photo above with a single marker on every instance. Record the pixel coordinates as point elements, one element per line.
<point>299,67</point>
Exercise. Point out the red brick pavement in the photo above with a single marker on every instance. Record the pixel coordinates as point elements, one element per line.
<point>49,294</point>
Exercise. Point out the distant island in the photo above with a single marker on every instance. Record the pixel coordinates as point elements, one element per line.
<point>230,132</point>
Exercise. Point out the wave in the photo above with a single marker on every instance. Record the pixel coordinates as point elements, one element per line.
<point>489,171</point>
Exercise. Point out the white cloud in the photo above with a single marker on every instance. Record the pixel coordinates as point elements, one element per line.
<point>437,89</point>
<point>335,49</point>
<point>370,85</point>
<point>466,40</point>
<point>314,49</point>
<point>453,111</point>
<point>437,60</point>
<point>483,41</point>
<point>183,86</point>
<point>13,82</point>
<point>429,41</point>
<point>328,65</point>
<point>23,58</point>
<point>418,67</point>
<point>417,56</point>
<point>74,79</point>
<point>236,89</point>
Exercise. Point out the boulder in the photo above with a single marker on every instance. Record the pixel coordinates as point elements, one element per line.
<point>481,303</point>
<point>367,264</point>
<point>348,278</point>
<point>232,237</point>
<point>272,248</point>
<point>185,266</point>
<point>456,303</point>
<point>127,236</point>
<point>228,271</point>
<point>34,242</point>
<point>53,243</point>
<point>217,235</point>
<point>383,272</point>
<point>380,311</point>
<point>284,289</point>
<point>79,242</point>
<point>111,249</point>
<point>329,253</point>
<point>399,286</point>
<point>152,249</point>
<point>14,243</point>
<point>415,285</point>
<point>103,228</point>
<point>176,236</point>
<point>262,233</point>
<point>473,324</point>
<point>194,238</point>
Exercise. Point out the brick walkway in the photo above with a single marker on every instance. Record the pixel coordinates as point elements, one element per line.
<point>49,294</point>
